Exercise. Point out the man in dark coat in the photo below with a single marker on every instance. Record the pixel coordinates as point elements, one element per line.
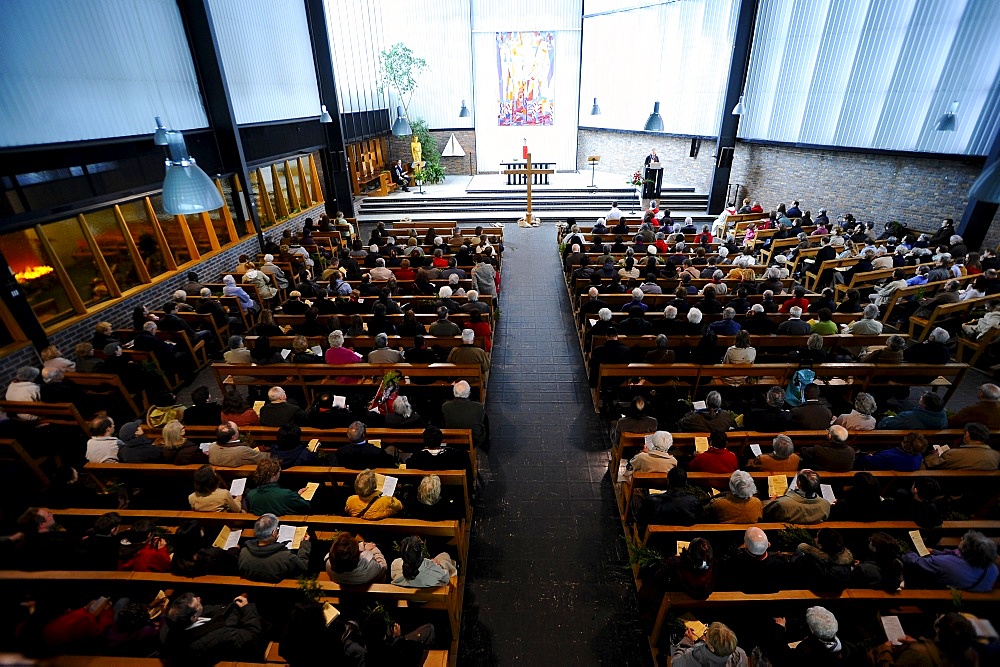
<point>359,454</point>
<point>198,635</point>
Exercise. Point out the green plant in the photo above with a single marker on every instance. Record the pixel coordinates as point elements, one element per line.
<point>399,69</point>
<point>432,172</point>
<point>641,555</point>
<point>789,537</point>
<point>956,597</point>
<point>310,588</point>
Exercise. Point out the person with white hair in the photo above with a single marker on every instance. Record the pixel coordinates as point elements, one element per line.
<point>860,418</point>
<point>740,505</point>
<point>279,411</point>
<point>934,350</point>
<point>782,458</point>
<point>230,288</point>
<point>822,646</point>
<point>712,419</point>
<point>468,353</point>
<point>337,354</point>
<point>986,410</point>
<point>655,456</point>
<point>179,299</point>
<point>275,271</point>
<point>25,389</point>
<point>259,280</point>
<point>383,354</point>
<point>402,415</point>
<point>461,412</point>
<point>794,325</point>
<point>380,271</point>
<point>444,300</point>
<point>753,569</point>
<point>868,325</point>
<point>835,456</point>
<point>603,324</point>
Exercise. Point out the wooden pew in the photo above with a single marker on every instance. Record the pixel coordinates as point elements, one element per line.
<point>60,414</point>
<point>946,313</point>
<point>927,289</point>
<point>111,387</point>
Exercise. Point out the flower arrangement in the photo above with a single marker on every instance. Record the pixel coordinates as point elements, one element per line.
<point>637,180</point>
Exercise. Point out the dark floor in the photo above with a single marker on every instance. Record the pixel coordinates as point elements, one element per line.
<point>548,579</point>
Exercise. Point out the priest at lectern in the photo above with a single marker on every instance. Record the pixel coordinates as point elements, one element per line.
<point>653,176</point>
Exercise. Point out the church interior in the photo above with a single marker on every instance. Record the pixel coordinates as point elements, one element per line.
<point>495,332</point>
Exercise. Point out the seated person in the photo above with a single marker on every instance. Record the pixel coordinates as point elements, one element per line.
<point>860,418</point>
<point>974,453</point>
<point>368,502</point>
<point>970,567</point>
<point>717,458</point>
<point>837,456</point>
<point>827,566</point>
<point>359,454</point>
<point>908,456</point>
<point>812,415</point>
<point>676,506</point>
<point>269,498</point>
<point>717,647</point>
<point>412,570</point>
<point>400,177</point>
<point>739,505</point>
<point>209,634</point>
<point>713,418</point>
<point>211,494</point>
<point>928,415</point>
<point>203,412</point>
<point>263,558</point>
<point>654,457</point>
<point>800,505</point>
<point>354,562</point>
<point>782,458</point>
<point>431,504</point>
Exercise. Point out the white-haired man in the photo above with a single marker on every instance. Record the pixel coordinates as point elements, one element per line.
<point>985,411</point>
<point>794,325</point>
<point>869,323</point>
<point>383,354</point>
<point>461,412</point>
<point>468,353</point>
<point>835,456</point>
<point>753,569</point>
<point>472,303</point>
<point>279,411</point>
<point>379,271</point>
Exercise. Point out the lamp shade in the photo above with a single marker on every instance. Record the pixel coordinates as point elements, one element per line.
<point>987,186</point>
<point>946,123</point>
<point>186,188</point>
<point>654,123</point>
<point>400,126</point>
<point>324,116</point>
<point>160,136</point>
<point>595,110</point>
<point>738,109</point>
<point>464,112</point>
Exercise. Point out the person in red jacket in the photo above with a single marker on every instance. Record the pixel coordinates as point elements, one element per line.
<point>799,300</point>
<point>141,551</point>
<point>716,459</point>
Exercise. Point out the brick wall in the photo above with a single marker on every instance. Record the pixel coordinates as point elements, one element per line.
<point>120,313</point>
<point>399,149</point>
<point>623,152</point>
<point>916,191</point>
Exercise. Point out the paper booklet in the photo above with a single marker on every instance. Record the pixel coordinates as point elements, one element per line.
<point>227,538</point>
<point>777,485</point>
<point>238,487</point>
<point>292,535</point>
<point>918,543</point>
<point>310,491</point>
<point>313,445</point>
<point>755,448</point>
<point>700,444</point>
<point>330,613</point>
<point>389,486</point>
<point>893,629</point>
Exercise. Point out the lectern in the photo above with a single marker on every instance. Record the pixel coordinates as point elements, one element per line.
<point>653,176</point>
<point>592,161</point>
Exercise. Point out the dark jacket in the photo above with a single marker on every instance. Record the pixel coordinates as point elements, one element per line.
<point>209,414</point>
<point>233,633</point>
<point>279,414</point>
<point>363,455</point>
<point>273,562</point>
<point>466,413</point>
<point>831,458</point>
<point>298,456</point>
<point>812,416</point>
<point>139,450</point>
<point>672,508</point>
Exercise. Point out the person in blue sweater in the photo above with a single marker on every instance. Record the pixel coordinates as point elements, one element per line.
<point>928,415</point>
<point>970,567</point>
<point>907,457</point>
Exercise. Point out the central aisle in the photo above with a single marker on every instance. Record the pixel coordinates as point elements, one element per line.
<point>548,578</point>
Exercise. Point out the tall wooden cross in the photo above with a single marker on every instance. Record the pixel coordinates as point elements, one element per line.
<point>528,172</point>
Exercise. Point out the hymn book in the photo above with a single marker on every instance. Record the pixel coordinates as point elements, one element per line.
<point>700,444</point>
<point>313,445</point>
<point>918,543</point>
<point>292,535</point>
<point>310,490</point>
<point>777,485</point>
<point>238,487</point>
<point>330,613</point>
<point>755,448</point>
<point>893,629</point>
<point>227,538</point>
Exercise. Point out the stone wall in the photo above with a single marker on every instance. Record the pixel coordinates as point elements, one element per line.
<point>913,190</point>
<point>120,313</point>
<point>399,149</point>
<point>623,152</point>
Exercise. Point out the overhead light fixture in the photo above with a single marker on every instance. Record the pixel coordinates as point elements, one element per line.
<point>324,115</point>
<point>400,126</point>
<point>464,113</point>
<point>738,109</point>
<point>595,110</point>
<point>160,136</point>
<point>946,123</point>
<point>987,186</point>
<point>654,123</point>
<point>186,188</point>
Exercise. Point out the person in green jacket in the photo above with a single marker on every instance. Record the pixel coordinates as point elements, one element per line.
<point>269,498</point>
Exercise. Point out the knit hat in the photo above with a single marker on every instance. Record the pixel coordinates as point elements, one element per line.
<point>127,431</point>
<point>111,348</point>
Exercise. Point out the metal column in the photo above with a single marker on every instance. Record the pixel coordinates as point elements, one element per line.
<point>979,214</point>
